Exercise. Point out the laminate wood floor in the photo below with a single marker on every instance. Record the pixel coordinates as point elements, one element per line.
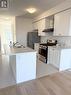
<point>55,84</point>
<point>6,75</point>
<point>43,69</point>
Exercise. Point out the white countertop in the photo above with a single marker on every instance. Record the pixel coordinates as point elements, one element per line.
<point>60,47</point>
<point>14,51</point>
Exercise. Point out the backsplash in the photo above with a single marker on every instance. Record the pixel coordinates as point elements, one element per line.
<point>61,40</point>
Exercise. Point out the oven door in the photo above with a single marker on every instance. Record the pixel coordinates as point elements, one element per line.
<point>42,58</point>
<point>43,54</point>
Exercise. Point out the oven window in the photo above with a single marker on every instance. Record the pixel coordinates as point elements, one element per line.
<point>43,52</point>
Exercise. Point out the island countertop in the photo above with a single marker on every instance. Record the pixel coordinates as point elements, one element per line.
<point>14,51</point>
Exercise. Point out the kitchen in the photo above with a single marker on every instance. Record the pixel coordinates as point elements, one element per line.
<point>53,29</point>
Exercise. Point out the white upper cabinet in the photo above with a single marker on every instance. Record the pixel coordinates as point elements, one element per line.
<point>40,25</point>
<point>62,23</point>
<point>35,25</point>
<point>43,24</point>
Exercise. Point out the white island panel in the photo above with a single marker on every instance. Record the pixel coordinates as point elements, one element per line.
<point>22,63</point>
<point>25,67</point>
<point>12,59</point>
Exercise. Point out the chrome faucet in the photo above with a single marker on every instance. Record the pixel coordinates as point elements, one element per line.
<point>15,43</point>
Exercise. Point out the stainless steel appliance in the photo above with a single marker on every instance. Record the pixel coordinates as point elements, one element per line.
<point>43,50</point>
<point>32,37</point>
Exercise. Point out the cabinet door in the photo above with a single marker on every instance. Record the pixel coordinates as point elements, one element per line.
<point>54,57</point>
<point>62,23</point>
<point>50,55</point>
<point>35,25</point>
<point>41,27</point>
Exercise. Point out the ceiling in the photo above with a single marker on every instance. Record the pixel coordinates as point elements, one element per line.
<point>18,7</point>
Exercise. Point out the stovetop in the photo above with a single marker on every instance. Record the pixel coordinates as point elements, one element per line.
<point>47,44</point>
<point>44,44</point>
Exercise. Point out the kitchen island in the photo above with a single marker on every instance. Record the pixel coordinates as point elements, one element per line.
<point>22,63</point>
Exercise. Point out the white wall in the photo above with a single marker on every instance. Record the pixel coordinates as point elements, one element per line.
<point>23,25</point>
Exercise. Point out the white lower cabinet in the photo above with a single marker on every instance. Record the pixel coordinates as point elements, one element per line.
<point>53,57</point>
<point>60,58</point>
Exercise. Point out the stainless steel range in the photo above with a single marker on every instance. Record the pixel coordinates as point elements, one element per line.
<point>43,50</point>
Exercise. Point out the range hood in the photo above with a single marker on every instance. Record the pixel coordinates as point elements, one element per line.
<point>48,30</point>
